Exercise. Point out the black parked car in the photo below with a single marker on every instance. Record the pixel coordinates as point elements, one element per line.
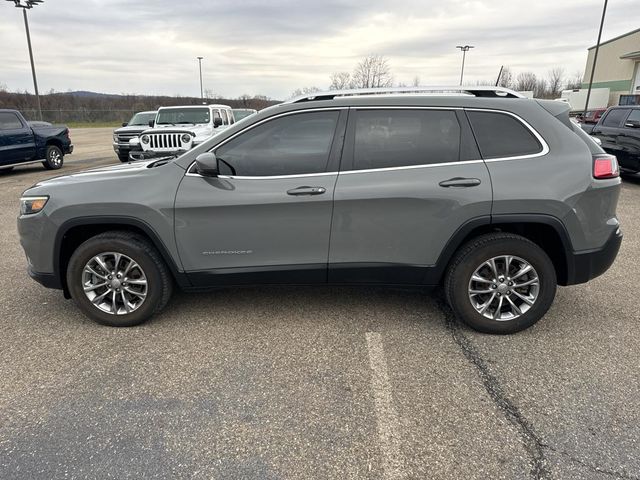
<point>22,142</point>
<point>619,132</point>
<point>130,130</point>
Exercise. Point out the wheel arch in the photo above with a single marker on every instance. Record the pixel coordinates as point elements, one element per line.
<point>546,231</point>
<point>56,142</point>
<point>74,232</point>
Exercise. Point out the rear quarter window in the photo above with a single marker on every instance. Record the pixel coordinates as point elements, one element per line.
<point>500,135</point>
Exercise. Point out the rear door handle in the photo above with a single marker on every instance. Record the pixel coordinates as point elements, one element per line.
<point>306,191</point>
<point>460,182</point>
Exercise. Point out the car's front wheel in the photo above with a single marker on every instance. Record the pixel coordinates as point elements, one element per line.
<point>118,279</point>
<point>54,158</point>
<point>124,158</point>
<point>500,283</point>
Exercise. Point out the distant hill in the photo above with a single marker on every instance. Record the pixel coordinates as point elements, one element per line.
<point>87,94</point>
<point>88,107</point>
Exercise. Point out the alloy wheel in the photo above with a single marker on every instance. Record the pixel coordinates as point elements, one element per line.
<point>114,283</point>
<point>504,288</point>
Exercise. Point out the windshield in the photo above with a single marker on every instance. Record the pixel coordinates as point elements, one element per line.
<point>141,118</point>
<point>175,116</point>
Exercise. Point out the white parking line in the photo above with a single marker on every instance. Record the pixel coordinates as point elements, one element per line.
<point>386,415</point>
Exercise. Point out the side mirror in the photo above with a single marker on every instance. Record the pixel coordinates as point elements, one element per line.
<point>632,123</point>
<point>124,124</point>
<point>152,123</point>
<point>217,121</point>
<point>207,164</point>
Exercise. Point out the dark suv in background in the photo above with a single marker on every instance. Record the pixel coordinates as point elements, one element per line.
<point>619,131</point>
<point>131,130</point>
<point>496,197</point>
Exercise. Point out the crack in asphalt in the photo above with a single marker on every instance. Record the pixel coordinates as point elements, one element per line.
<point>612,473</point>
<point>532,442</point>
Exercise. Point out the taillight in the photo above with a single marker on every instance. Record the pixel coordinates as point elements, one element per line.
<point>605,166</point>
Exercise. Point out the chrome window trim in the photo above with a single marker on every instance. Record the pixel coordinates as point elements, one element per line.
<point>264,177</point>
<point>409,167</point>
<point>545,147</point>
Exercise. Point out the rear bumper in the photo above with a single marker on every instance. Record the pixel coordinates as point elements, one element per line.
<point>586,266</point>
<point>69,149</point>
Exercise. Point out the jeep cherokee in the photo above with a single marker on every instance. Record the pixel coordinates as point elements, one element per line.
<point>496,197</point>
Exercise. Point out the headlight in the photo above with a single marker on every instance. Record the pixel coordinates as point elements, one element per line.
<point>31,205</point>
<point>144,139</point>
<point>186,138</point>
<point>115,138</point>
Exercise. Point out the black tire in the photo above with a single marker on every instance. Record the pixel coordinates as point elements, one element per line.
<point>481,249</point>
<point>136,247</point>
<point>123,158</point>
<point>54,158</point>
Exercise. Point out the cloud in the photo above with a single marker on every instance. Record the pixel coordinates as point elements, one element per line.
<point>275,47</point>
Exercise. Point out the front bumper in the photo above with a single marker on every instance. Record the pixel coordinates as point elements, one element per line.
<point>48,280</point>
<point>585,266</point>
<point>125,148</point>
<point>151,155</point>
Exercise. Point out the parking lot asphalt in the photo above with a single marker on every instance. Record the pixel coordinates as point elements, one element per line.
<point>314,383</point>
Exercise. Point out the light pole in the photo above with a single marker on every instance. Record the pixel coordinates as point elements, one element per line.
<point>200,65</point>
<point>464,49</point>
<point>24,6</point>
<point>595,59</point>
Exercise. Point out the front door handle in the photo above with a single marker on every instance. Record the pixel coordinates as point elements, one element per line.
<point>306,191</point>
<point>460,182</point>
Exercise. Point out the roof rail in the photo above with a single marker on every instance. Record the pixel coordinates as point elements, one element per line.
<point>478,91</point>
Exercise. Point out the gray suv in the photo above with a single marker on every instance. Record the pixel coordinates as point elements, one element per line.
<point>497,198</point>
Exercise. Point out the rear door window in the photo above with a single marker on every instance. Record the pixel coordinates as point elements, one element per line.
<point>225,118</point>
<point>399,138</point>
<point>500,135</point>
<point>634,116</point>
<point>615,117</point>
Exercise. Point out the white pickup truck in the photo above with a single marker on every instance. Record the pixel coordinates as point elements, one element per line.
<point>178,129</point>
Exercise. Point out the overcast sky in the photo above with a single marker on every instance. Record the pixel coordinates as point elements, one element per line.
<point>272,47</point>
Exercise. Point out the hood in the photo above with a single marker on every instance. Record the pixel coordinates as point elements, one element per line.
<point>98,174</point>
<point>131,129</point>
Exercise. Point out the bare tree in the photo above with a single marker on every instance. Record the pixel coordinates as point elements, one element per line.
<point>304,91</point>
<point>209,94</point>
<point>575,82</point>
<point>541,90</point>
<point>555,81</point>
<point>340,81</point>
<point>506,78</point>
<point>526,81</point>
<point>372,72</point>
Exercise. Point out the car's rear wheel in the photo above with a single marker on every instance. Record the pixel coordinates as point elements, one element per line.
<point>500,283</point>
<point>54,158</point>
<point>118,279</point>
